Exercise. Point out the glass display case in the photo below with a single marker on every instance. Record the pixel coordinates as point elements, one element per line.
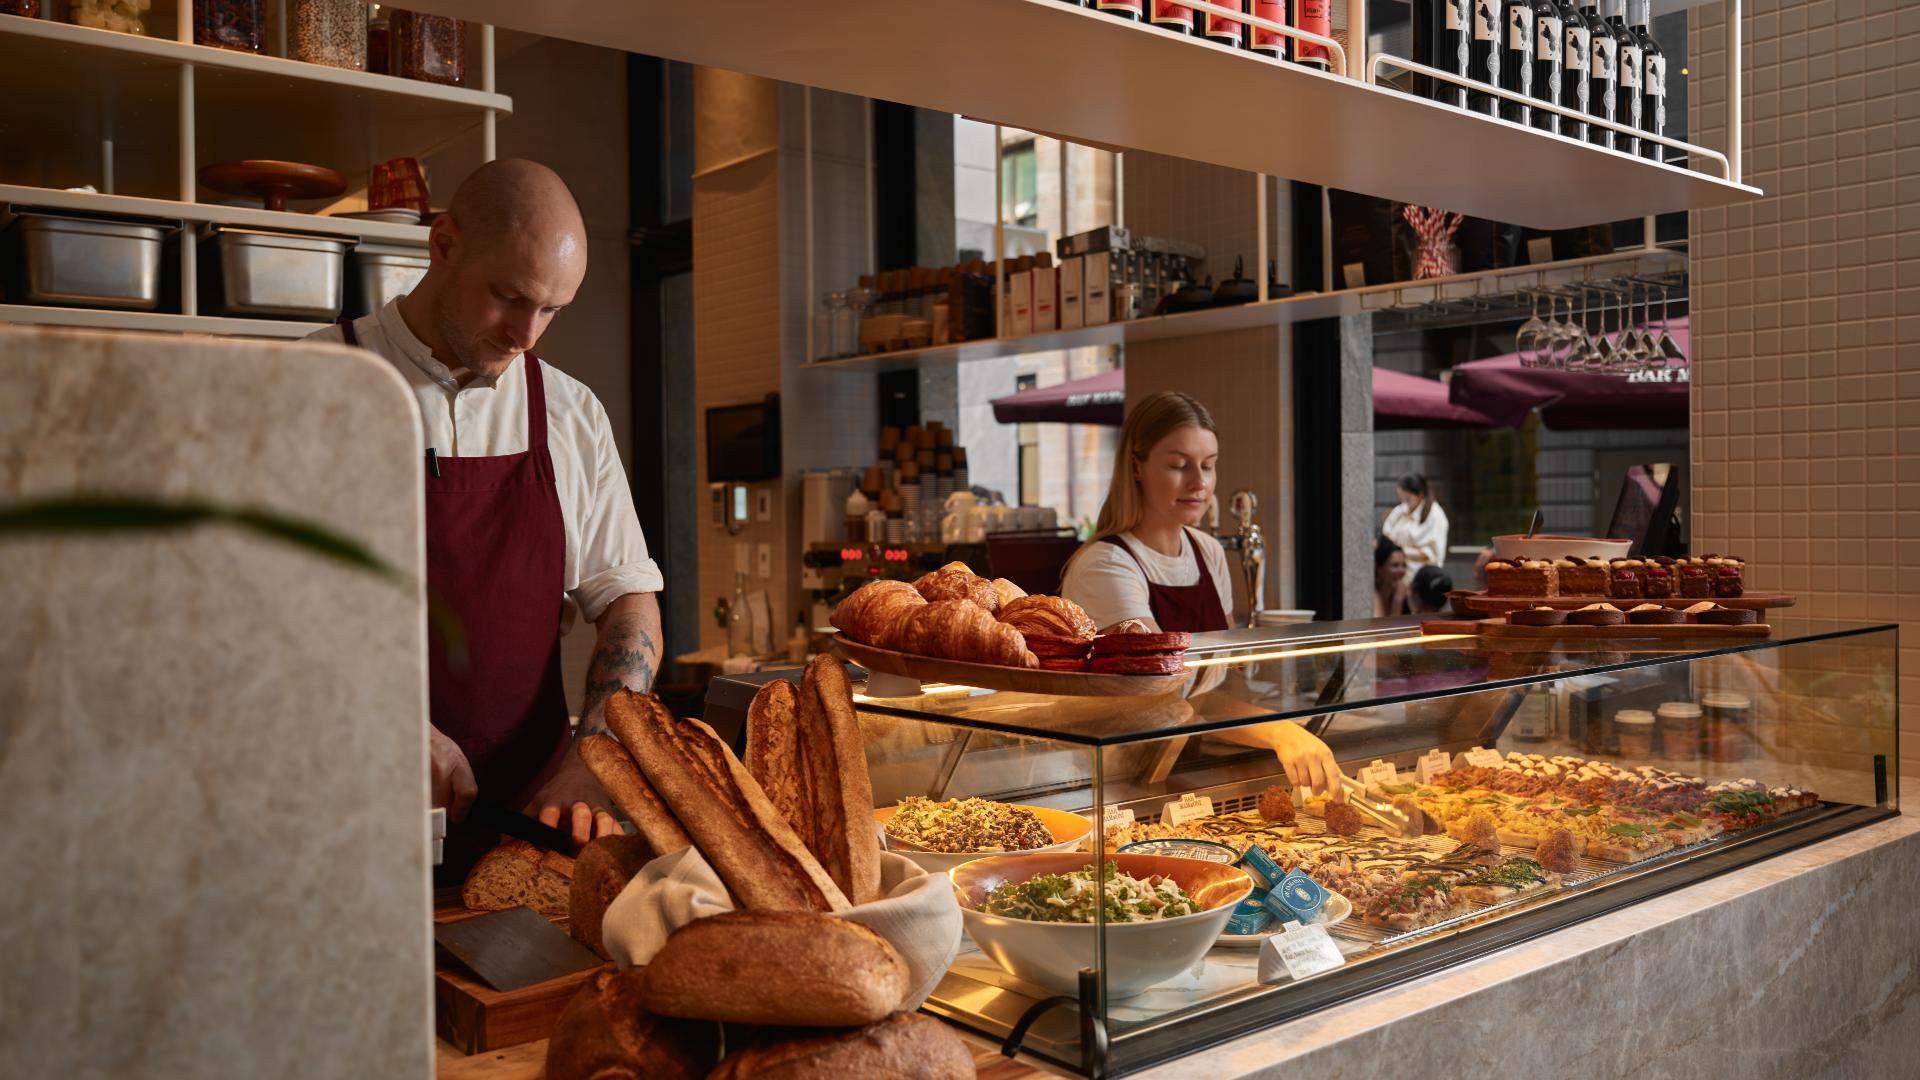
<point>1497,790</point>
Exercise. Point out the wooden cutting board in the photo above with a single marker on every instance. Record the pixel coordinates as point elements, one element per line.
<point>473,1016</point>
<point>1470,602</point>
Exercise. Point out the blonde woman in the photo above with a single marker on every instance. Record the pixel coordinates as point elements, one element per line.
<point>1147,562</point>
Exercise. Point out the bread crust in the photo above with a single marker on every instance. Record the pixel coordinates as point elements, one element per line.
<point>604,1034</point>
<point>826,818</point>
<point>962,630</point>
<point>517,873</point>
<point>904,1045</point>
<point>965,585</point>
<point>773,752</point>
<point>875,613</point>
<point>1054,616</point>
<point>790,969</point>
<point>852,793</point>
<point>617,772</point>
<point>747,842</point>
<point>600,874</point>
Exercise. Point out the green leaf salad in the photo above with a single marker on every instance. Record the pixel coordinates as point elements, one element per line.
<point>1071,897</point>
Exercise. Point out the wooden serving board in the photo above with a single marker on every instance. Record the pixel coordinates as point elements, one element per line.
<point>996,677</point>
<point>1501,628</point>
<point>1473,602</point>
<point>473,1016</point>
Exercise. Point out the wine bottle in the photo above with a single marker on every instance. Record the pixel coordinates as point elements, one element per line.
<point>1129,10</point>
<point>1576,51</point>
<point>1653,84</point>
<point>1516,59</point>
<point>1172,15</point>
<point>1266,42</point>
<point>1483,53</point>
<point>1627,99</point>
<point>1603,63</point>
<point>1225,31</point>
<point>1315,17</point>
<point>1440,40</point>
<point>1548,26</point>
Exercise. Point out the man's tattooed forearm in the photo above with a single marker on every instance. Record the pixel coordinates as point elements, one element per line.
<point>622,660</point>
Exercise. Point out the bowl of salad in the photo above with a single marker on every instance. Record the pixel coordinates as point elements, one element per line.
<point>1034,915</point>
<point>941,835</point>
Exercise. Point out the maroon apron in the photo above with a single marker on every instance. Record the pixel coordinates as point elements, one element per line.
<point>496,559</point>
<point>1194,608</point>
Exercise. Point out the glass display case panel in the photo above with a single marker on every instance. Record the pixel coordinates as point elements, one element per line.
<point>1499,793</point>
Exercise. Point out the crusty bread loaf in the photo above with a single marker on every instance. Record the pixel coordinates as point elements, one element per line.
<point>746,841</point>
<point>604,1034</point>
<point>840,793</point>
<point>517,873</point>
<point>620,776</point>
<point>904,1046</point>
<point>790,969</point>
<point>875,612</point>
<point>1052,616</point>
<point>962,630</point>
<point>601,871</point>
<point>773,754</point>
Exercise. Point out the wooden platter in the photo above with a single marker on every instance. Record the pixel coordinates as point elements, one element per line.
<point>996,677</point>
<point>1475,603</point>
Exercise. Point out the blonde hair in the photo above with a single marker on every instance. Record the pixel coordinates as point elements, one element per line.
<point>1155,417</point>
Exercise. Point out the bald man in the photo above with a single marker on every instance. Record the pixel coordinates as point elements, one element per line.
<point>528,514</point>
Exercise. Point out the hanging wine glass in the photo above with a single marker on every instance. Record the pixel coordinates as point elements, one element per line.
<point>1530,339</point>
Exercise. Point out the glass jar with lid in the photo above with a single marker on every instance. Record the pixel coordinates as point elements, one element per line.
<point>330,32</point>
<point>431,48</point>
<point>228,24</point>
<point>827,323</point>
<point>859,309</point>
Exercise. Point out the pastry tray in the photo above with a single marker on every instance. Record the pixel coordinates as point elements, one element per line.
<point>1474,602</point>
<point>999,677</point>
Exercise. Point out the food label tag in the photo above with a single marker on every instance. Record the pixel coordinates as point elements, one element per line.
<point>1114,817</point>
<point>1302,950</point>
<point>1485,759</point>
<point>1540,248</point>
<point>1432,764</point>
<point>1380,772</point>
<point>1189,807</point>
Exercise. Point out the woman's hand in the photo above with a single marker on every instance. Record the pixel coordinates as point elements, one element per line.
<point>1307,761</point>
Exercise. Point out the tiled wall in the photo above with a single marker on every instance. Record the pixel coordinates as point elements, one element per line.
<point>1806,316</point>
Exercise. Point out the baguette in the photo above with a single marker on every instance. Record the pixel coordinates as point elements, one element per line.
<point>773,753</point>
<point>615,769</point>
<point>603,1034</point>
<point>850,795</point>
<point>901,1046</point>
<point>826,818</point>
<point>790,969</point>
<point>744,839</point>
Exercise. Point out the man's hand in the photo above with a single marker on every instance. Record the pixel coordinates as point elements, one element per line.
<point>1308,762</point>
<point>574,803</point>
<point>450,777</point>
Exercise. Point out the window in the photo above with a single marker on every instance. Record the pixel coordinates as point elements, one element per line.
<point>1020,184</point>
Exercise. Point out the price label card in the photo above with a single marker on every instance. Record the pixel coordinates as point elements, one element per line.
<point>1485,759</point>
<point>1187,808</point>
<point>1380,772</point>
<point>1114,817</point>
<point>1540,249</point>
<point>1299,951</point>
<point>1432,764</point>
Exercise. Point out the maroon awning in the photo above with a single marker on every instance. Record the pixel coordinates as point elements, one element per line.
<point>1096,399</point>
<point>1573,401</point>
<point>1402,401</point>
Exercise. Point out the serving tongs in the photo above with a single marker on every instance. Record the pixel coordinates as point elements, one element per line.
<point>1384,815</point>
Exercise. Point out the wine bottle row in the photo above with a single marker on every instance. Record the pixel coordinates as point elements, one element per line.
<point>1598,58</point>
<point>1313,16</point>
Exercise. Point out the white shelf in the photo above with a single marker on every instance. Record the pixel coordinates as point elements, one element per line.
<point>1279,312</point>
<point>96,319</point>
<point>1050,66</point>
<point>175,210</point>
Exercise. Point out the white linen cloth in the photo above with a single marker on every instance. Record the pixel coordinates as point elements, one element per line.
<point>606,552</point>
<point>1109,587</point>
<point>1425,542</point>
<point>917,913</point>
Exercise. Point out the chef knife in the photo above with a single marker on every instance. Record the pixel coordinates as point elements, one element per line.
<point>513,948</point>
<point>520,827</point>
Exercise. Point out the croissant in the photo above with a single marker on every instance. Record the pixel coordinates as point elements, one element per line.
<point>944,584</point>
<point>1052,616</point>
<point>961,630</point>
<point>876,612</point>
<point>1007,591</point>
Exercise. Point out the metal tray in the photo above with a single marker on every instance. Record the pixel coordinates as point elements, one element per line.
<point>280,275</point>
<point>77,261</point>
<point>377,273</point>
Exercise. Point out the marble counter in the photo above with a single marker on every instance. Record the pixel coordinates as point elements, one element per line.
<point>1806,964</point>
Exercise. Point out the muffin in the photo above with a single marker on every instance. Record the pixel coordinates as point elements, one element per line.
<point>1521,577</point>
<point>1596,615</point>
<point>1539,616</point>
<point>1654,615</point>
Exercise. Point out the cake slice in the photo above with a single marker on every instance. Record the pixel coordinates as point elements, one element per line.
<point>1581,576</point>
<point>1625,581</point>
<point>1728,575</point>
<point>1521,577</point>
<point>1657,579</point>
<point>1694,580</point>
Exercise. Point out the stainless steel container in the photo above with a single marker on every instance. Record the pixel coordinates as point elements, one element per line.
<point>76,261</point>
<point>281,275</point>
<point>377,273</point>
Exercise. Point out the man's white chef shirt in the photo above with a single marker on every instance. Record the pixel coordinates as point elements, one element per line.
<point>606,553</point>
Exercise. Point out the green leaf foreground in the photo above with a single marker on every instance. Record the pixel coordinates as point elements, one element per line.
<point>98,515</point>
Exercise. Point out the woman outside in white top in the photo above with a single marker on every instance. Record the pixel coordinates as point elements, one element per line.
<point>1147,562</point>
<point>1418,525</point>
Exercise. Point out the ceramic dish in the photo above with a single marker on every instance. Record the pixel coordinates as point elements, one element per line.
<point>1539,546</point>
<point>1336,911</point>
<point>1139,955</point>
<point>1067,829</point>
<point>395,215</point>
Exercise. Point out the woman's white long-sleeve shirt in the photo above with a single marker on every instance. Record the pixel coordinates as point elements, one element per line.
<point>1425,542</point>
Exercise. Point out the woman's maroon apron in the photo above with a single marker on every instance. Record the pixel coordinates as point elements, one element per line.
<point>1194,608</point>
<point>496,560</point>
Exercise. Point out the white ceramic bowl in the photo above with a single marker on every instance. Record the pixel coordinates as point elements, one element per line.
<point>1067,829</point>
<point>1139,955</point>
<point>1543,546</point>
